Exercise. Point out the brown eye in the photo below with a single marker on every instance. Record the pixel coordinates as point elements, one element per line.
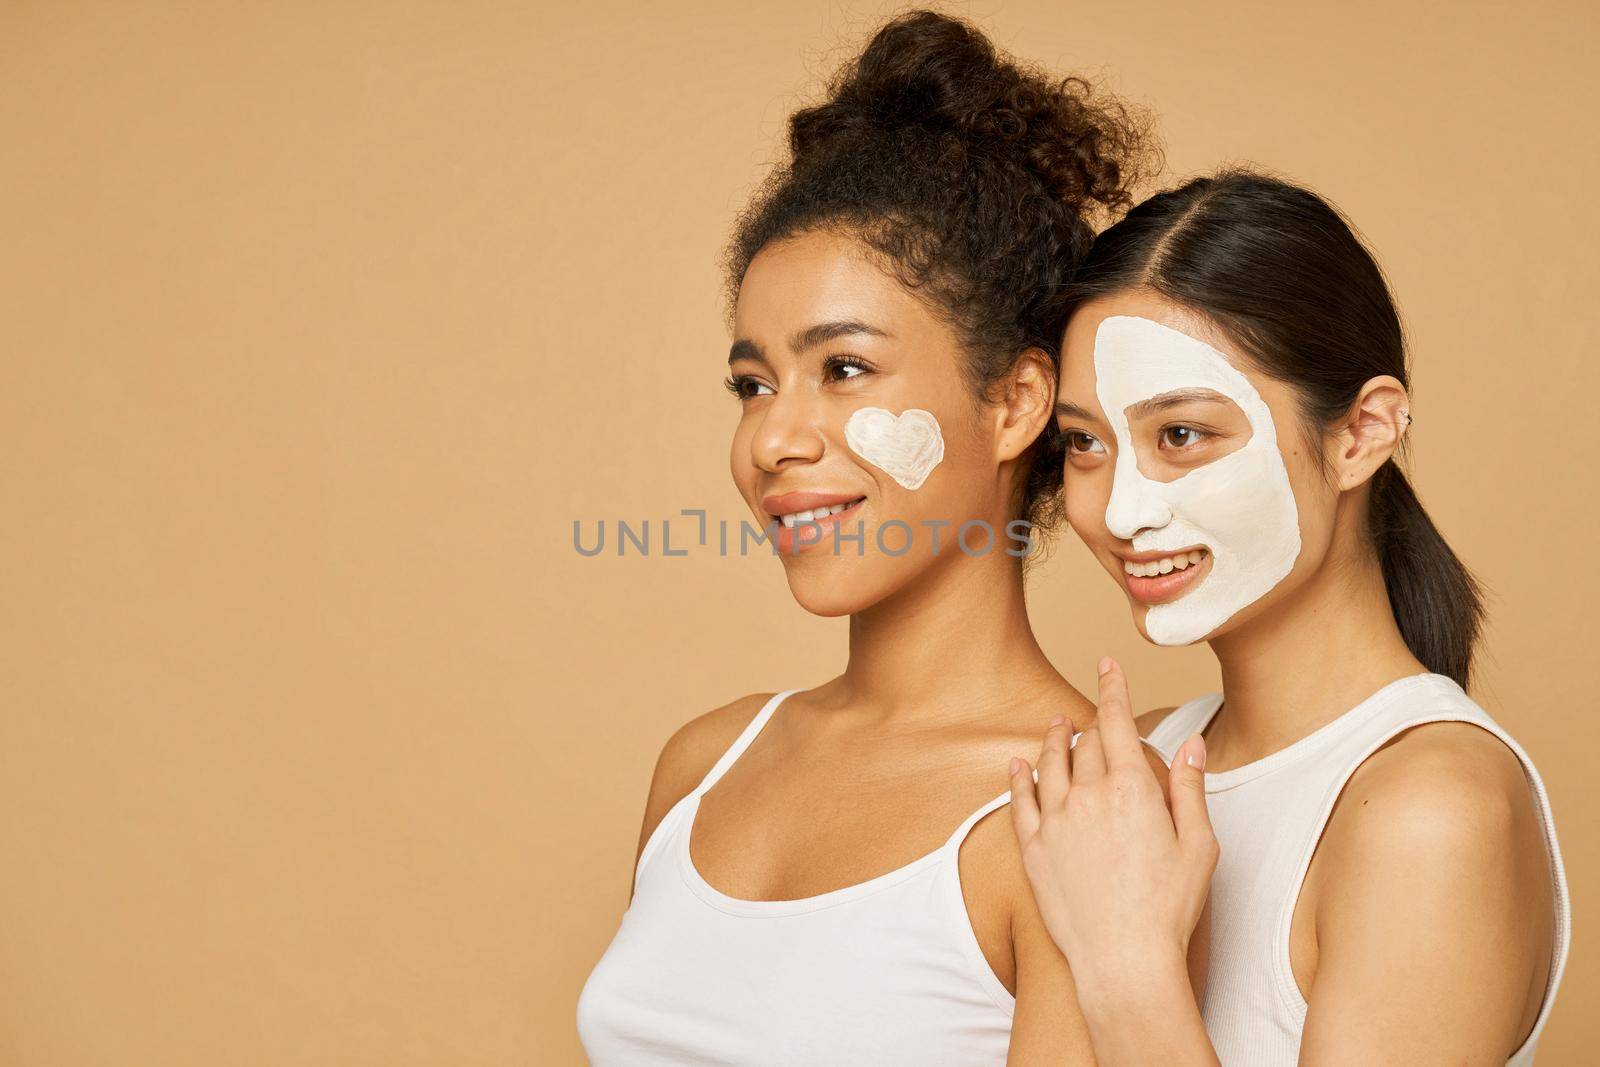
<point>744,387</point>
<point>1180,436</point>
<point>1080,443</point>
<point>843,368</point>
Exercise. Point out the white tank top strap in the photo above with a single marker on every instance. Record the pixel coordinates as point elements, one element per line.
<point>960,834</point>
<point>742,742</point>
<point>951,907</point>
<point>953,842</point>
<point>1166,757</point>
<point>669,822</point>
<point>1188,718</point>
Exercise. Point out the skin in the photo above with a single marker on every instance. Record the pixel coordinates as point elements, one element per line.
<point>1152,860</point>
<point>1423,932</point>
<point>876,767</point>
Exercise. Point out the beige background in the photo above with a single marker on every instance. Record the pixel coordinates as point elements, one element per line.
<point>321,322</point>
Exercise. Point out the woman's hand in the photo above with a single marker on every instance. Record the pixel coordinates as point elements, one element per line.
<point>1120,880</point>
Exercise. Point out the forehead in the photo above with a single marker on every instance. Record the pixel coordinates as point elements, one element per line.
<point>1136,345</point>
<point>1137,357</point>
<point>817,277</point>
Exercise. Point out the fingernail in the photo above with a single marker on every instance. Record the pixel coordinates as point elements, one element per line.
<point>1105,664</point>
<point>1197,754</point>
<point>1058,720</point>
<point>1015,764</point>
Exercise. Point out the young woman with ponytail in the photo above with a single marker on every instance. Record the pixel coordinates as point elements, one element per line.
<point>1384,880</point>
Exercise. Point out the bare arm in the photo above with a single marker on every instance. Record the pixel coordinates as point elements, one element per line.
<point>1432,907</point>
<point>1046,1026</point>
<point>1048,1029</point>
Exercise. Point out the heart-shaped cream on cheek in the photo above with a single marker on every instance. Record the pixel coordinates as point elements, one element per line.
<point>906,447</point>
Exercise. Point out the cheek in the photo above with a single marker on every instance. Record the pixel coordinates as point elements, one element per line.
<point>908,446</point>
<point>740,463</point>
<point>1317,513</point>
<point>1085,494</point>
<point>1315,500</point>
<point>956,480</point>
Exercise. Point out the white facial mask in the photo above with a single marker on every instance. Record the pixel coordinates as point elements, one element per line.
<point>905,447</point>
<point>1239,507</point>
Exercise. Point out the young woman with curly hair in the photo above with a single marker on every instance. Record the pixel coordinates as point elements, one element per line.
<point>819,880</point>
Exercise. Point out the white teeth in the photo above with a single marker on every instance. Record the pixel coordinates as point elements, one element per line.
<point>1167,565</point>
<point>815,513</point>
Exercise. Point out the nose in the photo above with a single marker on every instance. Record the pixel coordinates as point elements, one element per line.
<point>788,433</point>
<point>1136,502</point>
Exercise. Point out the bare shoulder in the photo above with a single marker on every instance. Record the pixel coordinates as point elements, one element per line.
<point>691,751</point>
<point>1145,724</point>
<point>698,743</point>
<point>1158,766</point>
<point>1444,784</point>
<point>1435,843</point>
<point>1447,801</point>
<point>1000,903</point>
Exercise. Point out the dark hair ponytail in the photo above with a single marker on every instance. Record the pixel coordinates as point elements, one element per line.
<point>1436,600</point>
<point>1282,272</point>
<point>974,177</point>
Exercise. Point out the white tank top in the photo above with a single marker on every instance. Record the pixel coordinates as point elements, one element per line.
<point>887,971</point>
<point>1268,816</point>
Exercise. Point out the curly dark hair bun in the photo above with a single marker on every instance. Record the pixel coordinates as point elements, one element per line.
<point>974,178</point>
<point>938,73</point>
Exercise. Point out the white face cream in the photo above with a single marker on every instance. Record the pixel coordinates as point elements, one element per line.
<point>1240,507</point>
<point>906,447</point>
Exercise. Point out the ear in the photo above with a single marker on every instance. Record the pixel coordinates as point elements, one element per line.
<point>1027,404</point>
<point>1370,432</point>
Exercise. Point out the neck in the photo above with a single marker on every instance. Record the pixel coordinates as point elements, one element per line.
<point>953,642</point>
<point>1326,648</point>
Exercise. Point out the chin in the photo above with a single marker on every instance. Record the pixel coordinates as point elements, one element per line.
<point>829,603</point>
<point>1141,614</point>
<point>831,590</point>
<point>1172,644</point>
<point>830,608</point>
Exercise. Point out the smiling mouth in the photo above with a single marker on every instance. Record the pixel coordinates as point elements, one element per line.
<point>1165,565</point>
<point>799,531</point>
<point>1157,581</point>
<point>816,514</point>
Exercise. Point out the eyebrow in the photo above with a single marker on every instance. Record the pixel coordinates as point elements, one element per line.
<point>1068,410</point>
<point>823,332</point>
<point>743,349</point>
<point>1155,404</point>
<point>809,337</point>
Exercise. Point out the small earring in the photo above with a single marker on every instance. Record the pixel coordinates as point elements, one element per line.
<point>1407,414</point>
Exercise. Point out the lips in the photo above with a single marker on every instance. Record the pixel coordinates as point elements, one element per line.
<point>785,505</point>
<point>807,518</point>
<point>1152,578</point>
